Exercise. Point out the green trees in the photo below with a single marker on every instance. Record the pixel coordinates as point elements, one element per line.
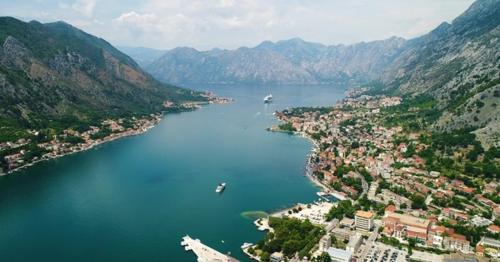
<point>410,150</point>
<point>287,127</point>
<point>418,201</point>
<point>104,132</point>
<point>264,256</point>
<point>412,242</point>
<point>290,236</point>
<point>343,208</point>
<point>324,257</point>
<point>73,140</point>
<point>353,182</point>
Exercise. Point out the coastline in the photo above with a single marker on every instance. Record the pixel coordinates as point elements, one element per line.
<point>284,211</point>
<point>184,107</point>
<point>314,148</point>
<point>93,145</point>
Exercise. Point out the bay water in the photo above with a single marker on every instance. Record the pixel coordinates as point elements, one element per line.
<point>135,198</point>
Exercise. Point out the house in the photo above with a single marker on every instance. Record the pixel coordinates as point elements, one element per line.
<point>494,229</point>
<point>436,235</point>
<point>480,221</point>
<point>387,196</point>
<point>347,222</point>
<point>405,226</point>
<point>341,233</point>
<point>455,214</point>
<point>277,257</point>
<point>496,212</point>
<point>390,208</point>
<point>457,242</point>
<point>488,246</point>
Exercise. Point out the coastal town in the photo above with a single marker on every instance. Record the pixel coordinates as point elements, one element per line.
<point>390,190</point>
<point>41,145</point>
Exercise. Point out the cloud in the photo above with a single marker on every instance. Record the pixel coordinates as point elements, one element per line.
<point>85,7</point>
<point>205,24</point>
<point>134,18</point>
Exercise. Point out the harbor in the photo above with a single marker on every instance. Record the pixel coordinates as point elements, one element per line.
<point>204,252</point>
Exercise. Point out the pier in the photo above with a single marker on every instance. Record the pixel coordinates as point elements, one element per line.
<point>203,252</point>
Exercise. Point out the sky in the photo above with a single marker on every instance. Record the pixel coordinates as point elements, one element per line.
<point>229,24</point>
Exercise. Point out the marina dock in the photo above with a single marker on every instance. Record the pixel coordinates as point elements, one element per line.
<point>203,252</point>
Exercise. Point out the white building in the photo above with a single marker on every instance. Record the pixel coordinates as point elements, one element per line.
<point>354,243</point>
<point>339,255</point>
<point>325,242</point>
<point>364,220</point>
<point>277,257</point>
<point>480,221</point>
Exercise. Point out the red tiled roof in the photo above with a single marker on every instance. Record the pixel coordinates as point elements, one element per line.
<point>390,208</point>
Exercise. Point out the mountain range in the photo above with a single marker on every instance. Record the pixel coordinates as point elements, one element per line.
<point>296,61</point>
<point>457,64</point>
<point>293,61</point>
<point>54,75</point>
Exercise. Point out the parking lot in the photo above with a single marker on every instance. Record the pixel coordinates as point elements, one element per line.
<point>380,252</point>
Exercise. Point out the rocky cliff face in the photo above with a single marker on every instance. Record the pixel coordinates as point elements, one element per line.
<point>458,64</point>
<point>50,73</point>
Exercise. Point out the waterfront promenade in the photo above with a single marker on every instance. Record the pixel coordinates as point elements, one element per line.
<point>203,252</point>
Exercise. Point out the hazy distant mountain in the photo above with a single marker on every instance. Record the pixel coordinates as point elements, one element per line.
<point>55,75</point>
<point>142,55</point>
<point>292,61</point>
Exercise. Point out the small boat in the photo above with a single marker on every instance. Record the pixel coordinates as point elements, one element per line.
<point>220,188</point>
<point>246,245</point>
<point>268,99</point>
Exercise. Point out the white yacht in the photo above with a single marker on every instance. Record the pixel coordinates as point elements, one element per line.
<point>268,98</point>
<point>220,187</point>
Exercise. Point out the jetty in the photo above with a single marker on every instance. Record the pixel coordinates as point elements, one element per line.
<point>203,252</point>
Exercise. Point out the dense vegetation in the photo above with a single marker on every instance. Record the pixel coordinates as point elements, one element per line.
<point>413,114</point>
<point>477,162</point>
<point>343,208</point>
<point>290,236</point>
<point>287,127</point>
<point>79,81</point>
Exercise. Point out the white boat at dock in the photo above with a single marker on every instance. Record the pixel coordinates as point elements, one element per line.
<point>246,245</point>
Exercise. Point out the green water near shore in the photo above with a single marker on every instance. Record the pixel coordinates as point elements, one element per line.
<point>254,215</point>
<point>133,199</point>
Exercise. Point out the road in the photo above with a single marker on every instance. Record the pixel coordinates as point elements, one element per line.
<point>368,244</point>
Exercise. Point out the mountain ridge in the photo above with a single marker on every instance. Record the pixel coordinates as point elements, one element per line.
<point>456,64</point>
<point>57,76</point>
<point>292,61</point>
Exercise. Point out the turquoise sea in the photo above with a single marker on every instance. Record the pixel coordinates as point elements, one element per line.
<point>133,199</point>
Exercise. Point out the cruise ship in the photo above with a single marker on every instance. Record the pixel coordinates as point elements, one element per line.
<point>220,187</point>
<point>268,99</point>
